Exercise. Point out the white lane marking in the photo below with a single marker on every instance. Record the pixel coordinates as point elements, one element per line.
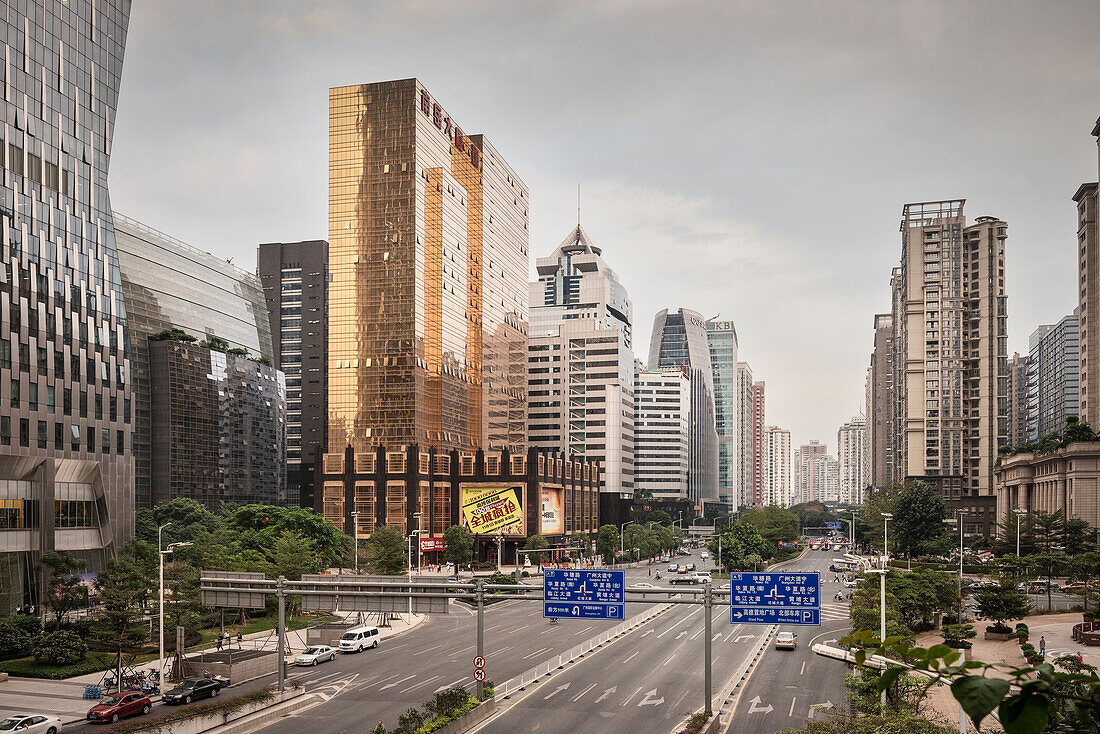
<point>632,695</point>
<point>497,652</point>
<point>450,685</point>
<point>791,712</point>
<point>632,656</point>
<point>428,649</point>
<point>803,671</point>
<point>536,652</point>
<point>669,660</point>
<point>389,677</point>
<point>581,694</point>
<point>397,682</point>
<point>698,632</point>
<point>581,632</point>
<point>734,631</point>
<point>422,683</point>
<point>677,624</point>
<point>676,706</point>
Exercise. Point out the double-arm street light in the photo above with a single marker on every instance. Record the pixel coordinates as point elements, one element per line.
<point>886,517</point>
<point>355,523</point>
<point>1019,514</point>
<point>161,553</point>
<point>414,534</point>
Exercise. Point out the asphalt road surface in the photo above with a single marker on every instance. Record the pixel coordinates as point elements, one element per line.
<point>379,685</point>
<point>789,686</point>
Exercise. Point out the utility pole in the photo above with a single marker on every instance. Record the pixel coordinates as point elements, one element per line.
<point>886,516</point>
<point>280,593</point>
<point>480,633</point>
<point>708,602</point>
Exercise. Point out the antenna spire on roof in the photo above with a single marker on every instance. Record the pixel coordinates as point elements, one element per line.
<point>578,204</point>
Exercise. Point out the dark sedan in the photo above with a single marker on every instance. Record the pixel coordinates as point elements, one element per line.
<point>193,689</point>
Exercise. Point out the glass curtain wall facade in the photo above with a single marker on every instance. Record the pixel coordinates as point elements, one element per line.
<point>168,284</point>
<point>428,254</point>
<point>64,348</point>
<point>722,339</point>
<point>1053,377</point>
<point>680,340</point>
<point>744,432</point>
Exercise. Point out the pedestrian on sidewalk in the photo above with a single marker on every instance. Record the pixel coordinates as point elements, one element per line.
<point>1043,646</point>
<point>240,639</point>
<point>219,643</point>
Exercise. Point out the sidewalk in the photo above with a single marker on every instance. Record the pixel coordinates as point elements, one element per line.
<point>65,698</point>
<point>1057,628</point>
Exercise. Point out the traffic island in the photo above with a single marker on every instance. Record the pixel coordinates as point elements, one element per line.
<point>203,717</point>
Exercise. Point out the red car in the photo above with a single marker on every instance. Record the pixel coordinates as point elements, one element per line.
<point>119,705</point>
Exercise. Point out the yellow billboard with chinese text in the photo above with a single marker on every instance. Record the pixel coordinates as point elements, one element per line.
<point>493,510</point>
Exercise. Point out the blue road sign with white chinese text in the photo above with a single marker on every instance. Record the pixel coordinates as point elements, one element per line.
<point>574,593</point>
<point>832,525</point>
<point>775,598</point>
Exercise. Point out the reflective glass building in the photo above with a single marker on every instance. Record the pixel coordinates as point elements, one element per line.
<point>66,473</point>
<point>722,339</point>
<point>428,254</point>
<point>207,424</point>
<point>680,340</point>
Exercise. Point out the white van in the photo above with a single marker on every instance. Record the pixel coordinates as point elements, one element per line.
<point>358,639</point>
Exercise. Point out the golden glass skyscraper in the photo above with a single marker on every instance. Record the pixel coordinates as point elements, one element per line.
<point>428,246</point>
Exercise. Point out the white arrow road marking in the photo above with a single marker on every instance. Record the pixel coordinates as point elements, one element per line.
<point>632,695</point>
<point>556,691</point>
<point>397,682</point>
<point>649,699</point>
<point>450,685</point>
<point>647,632</point>
<point>743,637</point>
<point>756,708</point>
<point>337,688</point>
<point>422,683</point>
<point>683,633</point>
<point>607,693</point>
<point>716,636</point>
<point>818,706</point>
<point>581,694</point>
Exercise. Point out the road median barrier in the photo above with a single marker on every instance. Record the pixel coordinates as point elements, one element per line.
<point>215,715</point>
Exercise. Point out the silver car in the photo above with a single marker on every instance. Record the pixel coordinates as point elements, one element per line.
<point>315,654</point>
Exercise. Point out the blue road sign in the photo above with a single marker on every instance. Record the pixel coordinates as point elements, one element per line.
<point>573,593</point>
<point>832,525</point>
<point>775,598</point>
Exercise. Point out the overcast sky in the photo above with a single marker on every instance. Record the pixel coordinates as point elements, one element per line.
<point>743,159</point>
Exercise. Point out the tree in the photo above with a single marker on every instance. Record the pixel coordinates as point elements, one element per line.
<point>1048,565</point>
<point>173,335</point>
<point>1085,568</point>
<point>740,543</point>
<point>1050,530</point>
<point>118,625</point>
<point>869,525</point>
<point>181,603</point>
<point>386,551</point>
<point>918,518</point>
<point>293,556</point>
<point>64,590</point>
<point>460,546</point>
<point>215,344</point>
<point>607,543</point>
<point>922,594</point>
<point>775,524</point>
<point>1002,602</point>
<point>1078,536</point>
<point>578,545</point>
<point>535,542</point>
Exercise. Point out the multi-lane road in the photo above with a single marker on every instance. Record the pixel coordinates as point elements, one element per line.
<point>789,686</point>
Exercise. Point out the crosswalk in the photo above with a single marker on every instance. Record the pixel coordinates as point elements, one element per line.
<point>834,611</point>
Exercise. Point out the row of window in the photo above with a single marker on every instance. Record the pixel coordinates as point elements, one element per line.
<point>62,438</point>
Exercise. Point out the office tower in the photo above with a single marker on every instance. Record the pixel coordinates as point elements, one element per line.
<point>951,333</point>
<point>757,443</point>
<point>1088,309</point>
<point>776,466</point>
<point>662,431</point>
<point>680,340</point>
<point>428,278</point>
<point>882,405</point>
<point>1017,398</point>
<point>851,454</point>
<point>581,363</point>
<point>744,435</point>
<point>294,276</point>
<point>1052,370</point>
<point>722,340</point>
<point>806,487</point>
<point>210,413</point>
<point>66,466</point>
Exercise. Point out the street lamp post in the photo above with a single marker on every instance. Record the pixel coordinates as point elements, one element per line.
<point>414,534</point>
<point>1019,514</point>
<point>958,518</point>
<point>886,517</point>
<point>622,539</point>
<point>162,553</point>
<point>355,521</point>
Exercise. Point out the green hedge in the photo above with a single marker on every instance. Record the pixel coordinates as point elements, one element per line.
<point>441,721</point>
<point>221,706</point>
<point>28,668</point>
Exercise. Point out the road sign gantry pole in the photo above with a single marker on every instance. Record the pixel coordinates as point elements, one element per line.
<point>708,602</point>
<point>280,594</point>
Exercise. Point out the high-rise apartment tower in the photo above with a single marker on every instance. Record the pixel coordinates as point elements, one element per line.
<point>722,338</point>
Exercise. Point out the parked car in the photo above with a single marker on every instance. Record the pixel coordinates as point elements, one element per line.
<point>691,567</point>
<point>120,705</point>
<point>1079,588</point>
<point>786,641</point>
<point>31,724</point>
<point>192,689</point>
<point>673,567</point>
<point>315,654</point>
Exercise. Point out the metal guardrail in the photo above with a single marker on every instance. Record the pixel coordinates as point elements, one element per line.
<point>521,681</point>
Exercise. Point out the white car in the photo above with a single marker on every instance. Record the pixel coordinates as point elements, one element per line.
<point>785,641</point>
<point>315,654</point>
<point>31,724</point>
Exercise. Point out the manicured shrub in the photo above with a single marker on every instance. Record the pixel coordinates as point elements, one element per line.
<point>59,648</point>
